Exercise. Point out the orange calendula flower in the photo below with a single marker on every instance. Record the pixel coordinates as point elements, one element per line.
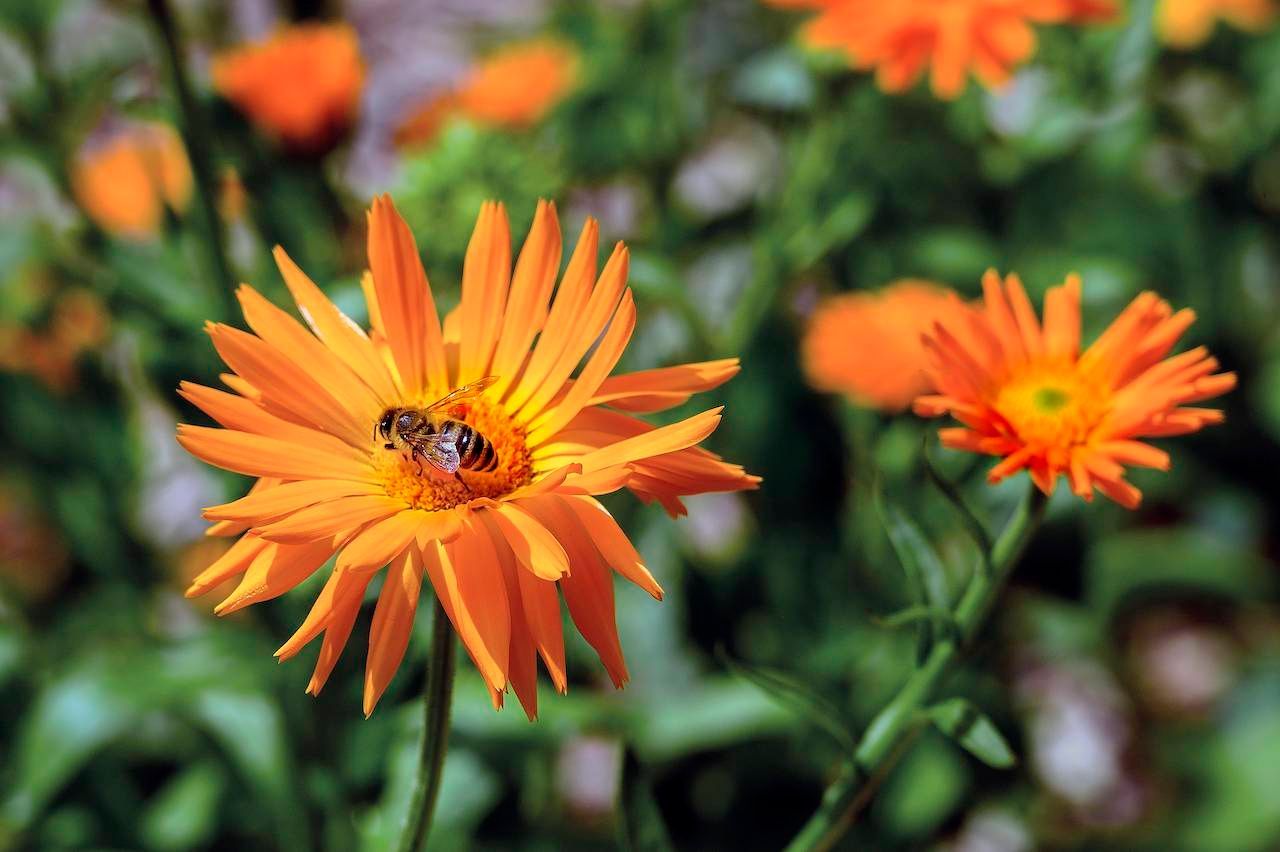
<point>301,85</point>
<point>951,38</point>
<point>1188,23</point>
<point>125,179</point>
<point>1027,393</point>
<point>334,421</point>
<point>514,87</point>
<point>868,345</point>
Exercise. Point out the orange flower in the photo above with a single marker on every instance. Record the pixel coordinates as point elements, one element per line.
<point>1028,394</point>
<point>1187,23</point>
<point>515,87</point>
<point>868,345</point>
<point>952,37</point>
<point>495,545</point>
<point>125,180</point>
<point>302,85</point>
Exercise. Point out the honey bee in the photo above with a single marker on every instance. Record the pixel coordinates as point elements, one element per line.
<point>447,444</point>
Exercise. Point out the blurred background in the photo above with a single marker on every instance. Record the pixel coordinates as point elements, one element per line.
<point>1135,667</point>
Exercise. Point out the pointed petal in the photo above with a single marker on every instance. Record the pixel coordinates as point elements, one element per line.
<point>392,625</point>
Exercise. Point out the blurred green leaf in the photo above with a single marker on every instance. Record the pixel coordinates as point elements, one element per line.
<point>640,826</point>
<point>923,790</point>
<point>717,713</point>
<point>250,729</point>
<point>959,719</point>
<point>184,813</point>
<point>796,696</point>
<point>1130,564</point>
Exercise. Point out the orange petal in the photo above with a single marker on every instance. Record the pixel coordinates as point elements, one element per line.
<point>336,632</point>
<point>527,304</point>
<point>657,390</point>
<point>522,669</point>
<point>257,455</point>
<point>338,591</point>
<point>588,591</point>
<point>244,415</point>
<point>407,308</point>
<point>270,503</point>
<point>275,570</point>
<point>392,625</point>
<point>381,542</point>
<point>534,547</point>
<point>566,311</point>
<point>466,574</point>
<point>666,439</point>
<point>230,564</point>
<point>598,367</point>
<point>486,276</point>
<point>329,519</point>
<point>612,542</point>
<point>336,329</point>
<point>300,346</point>
<point>541,607</point>
<point>581,334</point>
<point>287,389</point>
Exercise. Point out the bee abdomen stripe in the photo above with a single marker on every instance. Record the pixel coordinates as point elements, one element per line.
<point>474,446</point>
<point>489,461</point>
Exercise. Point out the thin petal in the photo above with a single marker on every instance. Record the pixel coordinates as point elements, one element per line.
<point>257,455</point>
<point>392,625</point>
<point>486,276</point>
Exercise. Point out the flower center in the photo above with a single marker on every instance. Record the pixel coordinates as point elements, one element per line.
<point>423,486</point>
<point>1053,405</point>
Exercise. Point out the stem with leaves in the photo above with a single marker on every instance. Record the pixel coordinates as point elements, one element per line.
<point>892,728</point>
<point>195,135</point>
<point>435,734</point>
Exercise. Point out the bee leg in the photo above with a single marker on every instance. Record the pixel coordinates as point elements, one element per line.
<point>461,481</point>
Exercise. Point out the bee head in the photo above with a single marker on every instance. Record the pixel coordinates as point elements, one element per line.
<point>384,424</point>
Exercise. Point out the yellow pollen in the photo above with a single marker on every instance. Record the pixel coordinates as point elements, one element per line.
<point>1053,406</point>
<point>433,489</point>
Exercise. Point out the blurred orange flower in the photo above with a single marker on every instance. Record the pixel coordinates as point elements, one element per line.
<point>868,345</point>
<point>514,87</point>
<point>125,179</point>
<point>301,85</point>
<point>315,412</point>
<point>952,38</point>
<point>1027,393</point>
<point>79,323</point>
<point>1187,23</point>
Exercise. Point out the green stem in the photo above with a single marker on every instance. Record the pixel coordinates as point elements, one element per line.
<point>885,738</point>
<point>195,135</point>
<point>435,733</point>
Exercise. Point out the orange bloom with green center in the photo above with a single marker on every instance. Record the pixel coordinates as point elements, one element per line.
<point>301,85</point>
<point>499,544</point>
<point>1027,393</point>
<point>951,38</point>
<point>867,345</point>
<point>125,181</point>
<point>514,87</point>
<point>1188,23</point>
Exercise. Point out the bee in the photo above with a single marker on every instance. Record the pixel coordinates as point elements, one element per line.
<point>447,444</point>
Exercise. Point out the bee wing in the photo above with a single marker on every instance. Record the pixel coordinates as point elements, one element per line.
<point>462,394</point>
<point>440,452</point>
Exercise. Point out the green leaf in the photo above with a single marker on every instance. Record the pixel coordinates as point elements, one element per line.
<point>183,814</point>
<point>959,719</point>
<point>641,827</point>
<point>940,619</point>
<point>974,527</point>
<point>926,575</point>
<point>796,696</point>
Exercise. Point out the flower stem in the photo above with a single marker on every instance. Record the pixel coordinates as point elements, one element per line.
<point>195,135</point>
<point>886,737</point>
<point>435,734</point>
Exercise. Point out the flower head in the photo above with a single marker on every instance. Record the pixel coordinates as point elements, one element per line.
<point>126,177</point>
<point>868,346</point>
<point>301,85</point>
<point>1027,393</point>
<point>514,87</point>
<point>1187,23</point>
<point>506,531</point>
<point>952,38</point>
